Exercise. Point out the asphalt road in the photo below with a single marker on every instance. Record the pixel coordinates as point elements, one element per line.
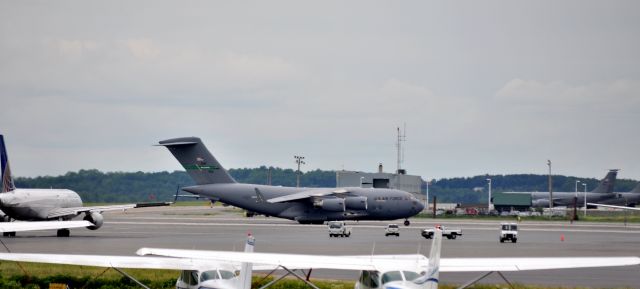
<point>225,229</point>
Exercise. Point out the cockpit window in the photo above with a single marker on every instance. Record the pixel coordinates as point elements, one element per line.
<point>410,276</point>
<point>209,275</point>
<point>227,274</point>
<point>391,276</point>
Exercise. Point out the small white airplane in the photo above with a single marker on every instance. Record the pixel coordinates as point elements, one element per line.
<point>46,209</point>
<point>195,273</point>
<point>377,271</point>
<point>614,206</point>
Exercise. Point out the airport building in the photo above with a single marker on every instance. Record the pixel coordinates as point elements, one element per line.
<point>399,180</point>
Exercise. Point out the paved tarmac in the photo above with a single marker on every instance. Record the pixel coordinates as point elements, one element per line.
<point>221,228</point>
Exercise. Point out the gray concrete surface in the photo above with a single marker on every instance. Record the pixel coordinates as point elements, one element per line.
<point>221,228</point>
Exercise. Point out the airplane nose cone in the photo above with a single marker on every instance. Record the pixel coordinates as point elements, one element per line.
<point>419,207</point>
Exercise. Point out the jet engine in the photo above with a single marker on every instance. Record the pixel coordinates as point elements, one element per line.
<point>96,218</point>
<point>334,205</point>
<point>356,203</point>
<point>540,203</point>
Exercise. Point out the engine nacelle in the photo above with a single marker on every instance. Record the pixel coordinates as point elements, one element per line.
<point>544,203</point>
<point>96,219</point>
<point>334,205</point>
<point>356,203</point>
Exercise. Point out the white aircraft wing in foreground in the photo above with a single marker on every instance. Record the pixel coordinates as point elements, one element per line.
<point>614,207</point>
<point>41,225</point>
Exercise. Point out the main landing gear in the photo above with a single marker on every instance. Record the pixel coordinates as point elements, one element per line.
<point>406,222</point>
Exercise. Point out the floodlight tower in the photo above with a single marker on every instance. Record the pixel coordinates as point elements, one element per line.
<point>550,187</point>
<point>299,161</point>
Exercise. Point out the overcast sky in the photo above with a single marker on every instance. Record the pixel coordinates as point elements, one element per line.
<point>492,87</point>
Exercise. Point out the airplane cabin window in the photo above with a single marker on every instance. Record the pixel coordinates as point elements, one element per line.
<point>209,275</point>
<point>410,276</point>
<point>391,276</point>
<point>227,274</point>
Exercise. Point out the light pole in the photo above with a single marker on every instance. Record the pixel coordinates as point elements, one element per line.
<point>361,181</point>
<point>585,198</point>
<point>577,182</point>
<point>426,203</point>
<point>489,207</point>
<point>299,161</point>
<point>550,188</point>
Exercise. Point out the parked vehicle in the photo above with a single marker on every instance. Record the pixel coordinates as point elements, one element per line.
<point>392,229</point>
<point>446,232</point>
<point>508,231</point>
<point>339,229</point>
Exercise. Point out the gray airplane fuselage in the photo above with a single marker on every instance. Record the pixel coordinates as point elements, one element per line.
<point>623,199</point>
<point>541,199</point>
<point>381,204</point>
<point>35,204</point>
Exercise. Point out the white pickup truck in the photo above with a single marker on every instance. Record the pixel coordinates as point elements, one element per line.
<point>446,232</point>
<point>339,229</point>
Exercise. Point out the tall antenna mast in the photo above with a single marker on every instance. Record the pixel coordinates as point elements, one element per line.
<point>402,136</point>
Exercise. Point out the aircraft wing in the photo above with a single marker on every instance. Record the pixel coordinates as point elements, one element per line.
<point>400,262</point>
<point>613,206</point>
<point>41,225</point>
<point>61,212</point>
<point>308,194</point>
<point>525,264</point>
<point>290,261</point>
<point>131,262</point>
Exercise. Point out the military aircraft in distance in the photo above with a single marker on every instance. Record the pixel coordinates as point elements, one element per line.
<point>46,209</point>
<point>603,191</point>
<point>304,205</point>
<point>628,199</point>
<point>412,271</point>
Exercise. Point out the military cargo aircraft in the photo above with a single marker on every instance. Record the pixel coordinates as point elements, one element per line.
<point>304,205</point>
<point>603,191</point>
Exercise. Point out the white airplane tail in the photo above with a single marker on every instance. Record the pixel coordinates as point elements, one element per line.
<point>434,260</point>
<point>246,269</point>
<point>431,278</point>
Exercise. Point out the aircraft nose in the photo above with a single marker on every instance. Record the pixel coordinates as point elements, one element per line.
<point>419,207</point>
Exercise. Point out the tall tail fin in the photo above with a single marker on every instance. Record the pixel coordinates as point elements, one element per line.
<point>636,190</point>
<point>196,159</point>
<point>5,171</point>
<point>431,279</point>
<point>246,269</point>
<point>606,184</point>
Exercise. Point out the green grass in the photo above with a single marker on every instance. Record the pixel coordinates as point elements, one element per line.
<point>40,275</point>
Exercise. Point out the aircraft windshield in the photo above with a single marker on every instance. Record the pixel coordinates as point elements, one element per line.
<point>391,276</point>
<point>209,275</point>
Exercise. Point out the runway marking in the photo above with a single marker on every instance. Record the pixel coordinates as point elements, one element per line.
<point>322,227</point>
<point>430,222</point>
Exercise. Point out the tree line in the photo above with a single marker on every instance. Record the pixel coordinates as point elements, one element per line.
<point>111,187</point>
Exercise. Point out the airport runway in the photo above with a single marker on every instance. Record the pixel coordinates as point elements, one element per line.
<point>221,228</point>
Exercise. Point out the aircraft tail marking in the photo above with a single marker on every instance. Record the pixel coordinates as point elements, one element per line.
<point>196,159</point>
<point>5,170</point>
<point>606,185</point>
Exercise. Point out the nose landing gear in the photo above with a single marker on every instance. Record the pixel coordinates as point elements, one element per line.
<point>406,222</point>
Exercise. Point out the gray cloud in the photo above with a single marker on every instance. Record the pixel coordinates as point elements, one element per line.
<point>484,87</point>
